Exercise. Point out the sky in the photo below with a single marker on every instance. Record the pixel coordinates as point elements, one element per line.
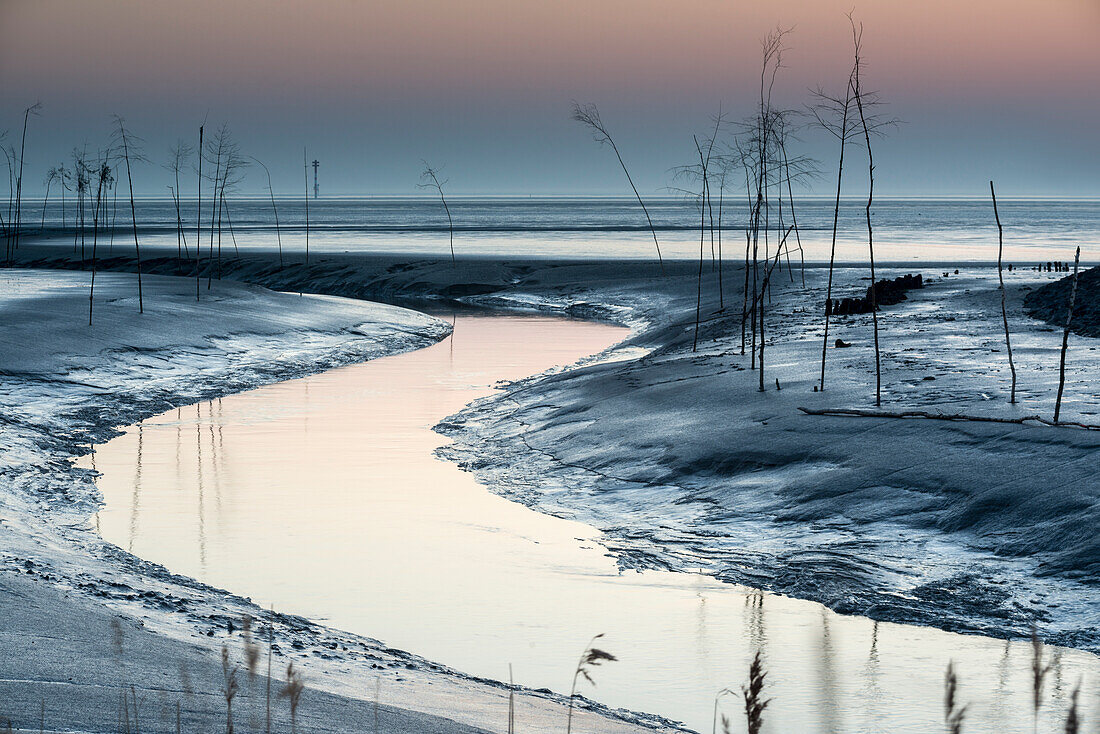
<point>1002,89</point>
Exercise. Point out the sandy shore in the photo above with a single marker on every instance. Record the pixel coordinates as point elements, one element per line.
<point>683,464</point>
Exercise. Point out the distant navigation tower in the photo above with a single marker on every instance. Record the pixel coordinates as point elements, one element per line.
<point>315,189</point>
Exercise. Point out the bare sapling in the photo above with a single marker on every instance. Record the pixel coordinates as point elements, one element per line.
<point>305,168</point>
<point>1065,337</point>
<point>81,172</point>
<point>790,198</point>
<point>858,93</point>
<point>746,165</point>
<point>755,703</point>
<point>274,209</point>
<point>702,234</point>
<point>589,116</point>
<point>953,714</point>
<point>63,177</point>
<point>1001,278</point>
<point>130,152</point>
<point>18,225</point>
<point>591,657</point>
<point>51,176</point>
<point>4,222</point>
<point>198,220</point>
<point>216,149</point>
<point>429,179</point>
<point>833,114</point>
<point>764,125</point>
<point>178,157</point>
<point>229,221</point>
<point>104,178</point>
<point>722,174</point>
<point>233,164</point>
<point>704,208</point>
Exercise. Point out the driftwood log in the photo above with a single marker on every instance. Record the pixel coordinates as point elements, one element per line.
<point>867,413</point>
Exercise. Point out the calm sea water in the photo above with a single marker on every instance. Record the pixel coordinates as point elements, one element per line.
<point>905,229</point>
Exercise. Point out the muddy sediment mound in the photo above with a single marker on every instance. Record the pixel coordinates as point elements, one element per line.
<point>1050,303</point>
<point>886,292</point>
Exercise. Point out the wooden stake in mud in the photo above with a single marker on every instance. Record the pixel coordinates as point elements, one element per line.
<point>1001,277</point>
<point>1065,337</point>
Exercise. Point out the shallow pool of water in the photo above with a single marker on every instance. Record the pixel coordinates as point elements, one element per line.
<point>322,497</point>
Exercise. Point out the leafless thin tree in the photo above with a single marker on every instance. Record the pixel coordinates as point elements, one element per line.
<point>274,209</point>
<point>32,110</point>
<point>51,176</point>
<point>178,157</point>
<point>871,125</point>
<point>1001,278</point>
<point>1065,337</point>
<point>589,116</point>
<point>131,152</point>
<point>198,217</point>
<point>104,177</point>
<point>429,179</point>
<point>834,115</point>
<point>305,169</point>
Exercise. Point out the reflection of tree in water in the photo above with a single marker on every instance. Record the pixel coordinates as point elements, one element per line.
<point>754,620</point>
<point>872,695</point>
<point>201,487</point>
<point>829,704</point>
<point>135,502</point>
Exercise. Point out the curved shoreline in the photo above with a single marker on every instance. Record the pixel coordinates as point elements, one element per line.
<point>630,293</point>
<point>47,515</point>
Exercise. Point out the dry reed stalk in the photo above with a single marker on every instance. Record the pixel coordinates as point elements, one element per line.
<point>590,658</point>
<point>229,673</point>
<point>953,715</point>
<point>714,721</point>
<point>292,690</point>
<point>754,703</point>
<point>251,649</point>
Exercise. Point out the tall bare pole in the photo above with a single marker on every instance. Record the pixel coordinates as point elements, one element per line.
<point>702,234</point>
<point>858,38</point>
<point>305,168</point>
<point>1065,338</point>
<point>133,210</point>
<point>1001,277</point>
<point>842,136</point>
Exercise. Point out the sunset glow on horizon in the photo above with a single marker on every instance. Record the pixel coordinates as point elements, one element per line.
<point>486,86</point>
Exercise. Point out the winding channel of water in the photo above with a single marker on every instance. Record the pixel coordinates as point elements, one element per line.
<point>321,497</point>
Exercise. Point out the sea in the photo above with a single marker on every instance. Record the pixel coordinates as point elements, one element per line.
<point>1035,230</point>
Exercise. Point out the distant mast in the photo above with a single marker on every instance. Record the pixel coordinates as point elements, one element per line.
<point>315,189</point>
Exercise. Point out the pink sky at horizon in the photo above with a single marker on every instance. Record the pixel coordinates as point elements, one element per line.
<point>334,60</point>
